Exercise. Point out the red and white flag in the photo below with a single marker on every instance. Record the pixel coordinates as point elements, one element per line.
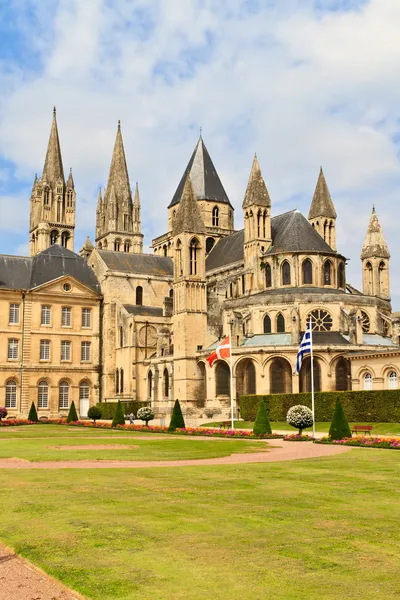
<point>223,350</point>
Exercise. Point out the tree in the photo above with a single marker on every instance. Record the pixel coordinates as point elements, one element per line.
<point>262,424</point>
<point>300,417</point>
<point>177,420</point>
<point>94,413</point>
<point>33,416</point>
<point>145,414</point>
<point>3,412</point>
<point>119,418</point>
<point>339,428</point>
<point>72,415</point>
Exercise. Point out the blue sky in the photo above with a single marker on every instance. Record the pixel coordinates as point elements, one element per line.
<point>303,83</point>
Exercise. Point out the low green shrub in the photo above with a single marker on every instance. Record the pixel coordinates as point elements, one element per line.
<point>177,420</point>
<point>339,428</point>
<point>94,413</point>
<point>33,416</point>
<point>119,418</point>
<point>108,408</point>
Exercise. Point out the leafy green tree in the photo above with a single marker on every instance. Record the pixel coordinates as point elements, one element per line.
<point>94,413</point>
<point>262,424</point>
<point>177,420</point>
<point>72,415</point>
<point>119,418</point>
<point>33,416</point>
<point>145,414</point>
<point>339,428</point>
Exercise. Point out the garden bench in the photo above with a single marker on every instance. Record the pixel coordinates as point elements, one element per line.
<point>225,425</point>
<point>362,429</point>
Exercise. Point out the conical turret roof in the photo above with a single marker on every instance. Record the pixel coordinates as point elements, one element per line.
<point>256,192</point>
<point>322,205</point>
<point>188,218</point>
<point>118,178</point>
<point>53,166</point>
<point>204,178</point>
<point>136,199</point>
<point>70,182</point>
<point>375,244</point>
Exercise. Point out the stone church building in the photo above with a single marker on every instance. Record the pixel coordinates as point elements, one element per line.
<point>116,323</point>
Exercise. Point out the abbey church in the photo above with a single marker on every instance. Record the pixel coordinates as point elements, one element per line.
<point>112,322</point>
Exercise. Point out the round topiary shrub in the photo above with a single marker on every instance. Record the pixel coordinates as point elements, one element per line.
<point>145,414</point>
<point>94,413</point>
<point>300,417</point>
<point>3,412</point>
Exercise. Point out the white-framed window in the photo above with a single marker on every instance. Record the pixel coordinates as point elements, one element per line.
<point>86,318</point>
<point>66,316</point>
<point>84,391</point>
<point>63,394</point>
<point>367,381</point>
<point>13,349</point>
<point>44,350</point>
<point>46,315</point>
<point>11,394</point>
<point>65,350</point>
<point>14,314</point>
<point>393,380</point>
<point>85,351</point>
<point>43,394</point>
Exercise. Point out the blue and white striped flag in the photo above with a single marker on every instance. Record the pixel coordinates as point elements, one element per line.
<point>305,346</point>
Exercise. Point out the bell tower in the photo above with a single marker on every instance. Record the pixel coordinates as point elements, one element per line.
<point>375,259</point>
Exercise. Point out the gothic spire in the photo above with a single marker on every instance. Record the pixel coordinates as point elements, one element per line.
<point>118,177</point>
<point>136,199</point>
<point>322,205</point>
<point>99,201</point>
<point>53,166</point>
<point>375,244</point>
<point>256,192</point>
<point>188,217</point>
<point>70,182</point>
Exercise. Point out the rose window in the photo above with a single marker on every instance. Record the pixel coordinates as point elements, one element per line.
<point>365,322</point>
<point>321,320</point>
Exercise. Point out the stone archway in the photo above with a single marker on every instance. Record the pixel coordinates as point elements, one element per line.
<point>222,379</point>
<point>245,378</point>
<point>280,376</point>
<point>305,375</point>
<point>342,375</point>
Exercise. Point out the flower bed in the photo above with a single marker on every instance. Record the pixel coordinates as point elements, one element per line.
<point>365,442</point>
<point>16,423</point>
<point>295,437</point>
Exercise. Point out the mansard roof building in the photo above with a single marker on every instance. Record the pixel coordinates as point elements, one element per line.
<point>163,312</point>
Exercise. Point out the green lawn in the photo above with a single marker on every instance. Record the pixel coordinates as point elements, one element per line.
<point>300,530</point>
<point>322,427</point>
<point>52,442</point>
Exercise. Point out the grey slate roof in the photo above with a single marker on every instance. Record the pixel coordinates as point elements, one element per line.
<point>329,338</point>
<point>146,311</point>
<point>228,250</point>
<point>204,177</point>
<point>17,272</point>
<point>268,339</point>
<point>142,264</point>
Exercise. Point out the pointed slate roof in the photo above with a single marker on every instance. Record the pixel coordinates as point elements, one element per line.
<point>188,217</point>
<point>204,177</point>
<point>256,192</point>
<point>375,244</point>
<point>53,166</point>
<point>322,205</point>
<point>118,178</point>
<point>70,182</point>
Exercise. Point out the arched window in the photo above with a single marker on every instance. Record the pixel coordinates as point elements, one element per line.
<point>382,267</point>
<point>393,380</point>
<point>222,378</point>
<point>268,275</point>
<point>58,210</point>
<point>139,295</point>
<point>117,381</point>
<point>165,250</point>
<point>209,244</point>
<point>265,214</point>
<point>11,394</point>
<point>327,272</point>
<point>280,376</point>
<point>166,383</point>
<point>43,394</point>
<point>54,237</point>
<point>369,278</point>
<point>259,223</point>
<point>367,381</point>
<point>171,293</point>
<point>117,245</point>
<point>121,336</point>
<point>121,380</point>
<point>178,265</point>
<point>342,373</point>
<point>63,395</point>
<point>215,216</point>
<point>365,322</point>
<point>105,244</point>
<point>286,273</point>
<point>280,323</point>
<point>150,385</point>
<point>100,246</point>
<point>245,378</point>
<point>202,386</point>
<point>70,197</point>
<point>305,375</point>
<point>194,244</point>
<point>64,239</point>
<point>267,324</point>
<point>326,231</point>
<point>127,246</point>
<point>331,230</point>
<point>46,196</point>
<point>307,272</point>
<point>126,222</point>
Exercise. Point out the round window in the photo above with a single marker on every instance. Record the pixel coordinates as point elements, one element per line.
<point>321,320</point>
<point>67,287</point>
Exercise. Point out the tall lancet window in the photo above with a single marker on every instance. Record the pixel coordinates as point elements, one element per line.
<point>215,216</point>
<point>194,244</point>
<point>178,258</point>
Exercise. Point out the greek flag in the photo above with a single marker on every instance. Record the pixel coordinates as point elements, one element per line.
<point>305,346</point>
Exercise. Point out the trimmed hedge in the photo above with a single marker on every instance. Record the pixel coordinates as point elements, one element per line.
<point>376,406</point>
<point>108,408</point>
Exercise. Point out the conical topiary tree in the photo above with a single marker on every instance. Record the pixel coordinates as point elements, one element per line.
<point>339,428</point>
<point>262,424</point>
<point>177,420</point>
<point>33,416</point>
<point>119,418</point>
<point>72,415</point>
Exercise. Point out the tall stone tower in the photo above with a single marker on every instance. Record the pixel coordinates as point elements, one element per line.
<point>257,225</point>
<point>375,258</point>
<point>190,294</point>
<point>322,215</point>
<point>118,225</point>
<point>52,204</point>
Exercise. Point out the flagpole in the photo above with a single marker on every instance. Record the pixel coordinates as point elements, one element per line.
<point>312,380</point>
<point>231,370</point>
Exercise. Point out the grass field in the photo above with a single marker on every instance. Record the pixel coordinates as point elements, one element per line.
<point>321,427</point>
<point>301,530</point>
